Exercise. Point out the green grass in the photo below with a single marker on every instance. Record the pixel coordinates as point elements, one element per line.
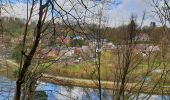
<point>88,70</point>
<point>9,69</point>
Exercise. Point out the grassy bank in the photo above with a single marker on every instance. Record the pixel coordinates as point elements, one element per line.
<point>8,68</point>
<point>109,69</point>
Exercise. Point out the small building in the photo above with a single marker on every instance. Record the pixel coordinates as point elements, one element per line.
<point>109,45</point>
<point>153,48</point>
<point>52,53</point>
<point>142,47</point>
<point>84,52</point>
<point>64,40</point>
<point>69,53</point>
<point>78,38</point>
<point>142,37</point>
<point>145,49</point>
<point>94,42</point>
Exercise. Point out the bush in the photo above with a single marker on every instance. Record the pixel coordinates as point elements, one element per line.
<point>40,95</point>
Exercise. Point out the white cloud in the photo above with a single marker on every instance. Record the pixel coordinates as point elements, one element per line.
<point>19,10</point>
<point>123,12</point>
<point>117,15</point>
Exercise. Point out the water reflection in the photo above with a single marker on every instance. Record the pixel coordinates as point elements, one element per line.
<point>150,97</point>
<point>7,88</point>
<point>56,92</point>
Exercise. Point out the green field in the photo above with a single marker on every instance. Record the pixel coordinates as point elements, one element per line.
<point>139,70</point>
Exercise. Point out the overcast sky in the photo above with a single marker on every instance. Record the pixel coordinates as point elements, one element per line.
<point>122,12</point>
<point>118,13</point>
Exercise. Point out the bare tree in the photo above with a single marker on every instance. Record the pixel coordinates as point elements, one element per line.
<point>28,54</point>
<point>27,58</point>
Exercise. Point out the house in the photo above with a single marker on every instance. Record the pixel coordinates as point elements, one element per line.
<point>52,53</point>
<point>94,42</point>
<point>142,47</point>
<point>46,52</point>
<point>65,40</point>
<point>84,52</point>
<point>152,48</point>
<point>142,37</point>
<point>78,38</point>
<point>147,47</point>
<point>109,45</point>
<point>69,53</point>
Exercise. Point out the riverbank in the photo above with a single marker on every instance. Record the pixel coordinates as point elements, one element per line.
<point>130,87</point>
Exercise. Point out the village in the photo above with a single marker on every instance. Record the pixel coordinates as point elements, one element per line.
<point>78,48</point>
<point>86,51</point>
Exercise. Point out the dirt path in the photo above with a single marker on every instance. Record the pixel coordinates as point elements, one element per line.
<point>132,87</point>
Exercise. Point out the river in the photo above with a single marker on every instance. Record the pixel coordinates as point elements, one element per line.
<point>57,92</point>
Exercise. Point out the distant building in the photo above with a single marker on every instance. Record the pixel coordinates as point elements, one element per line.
<point>52,53</point>
<point>65,40</point>
<point>94,42</point>
<point>142,37</point>
<point>147,47</point>
<point>69,53</point>
<point>78,38</point>
<point>84,52</point>
<point>109,45</point>
<point>142,47</point>
<point>152,48</point>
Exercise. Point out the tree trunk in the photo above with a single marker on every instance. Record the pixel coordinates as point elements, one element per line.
<point>28,58</point>
<point>18,90</point>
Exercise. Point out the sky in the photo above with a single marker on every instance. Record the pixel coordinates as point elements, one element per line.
<point>123,11</point>
<point>118,13</point>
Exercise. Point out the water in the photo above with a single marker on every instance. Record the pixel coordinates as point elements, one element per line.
<point>57,92</point>
<point>54,92</point>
